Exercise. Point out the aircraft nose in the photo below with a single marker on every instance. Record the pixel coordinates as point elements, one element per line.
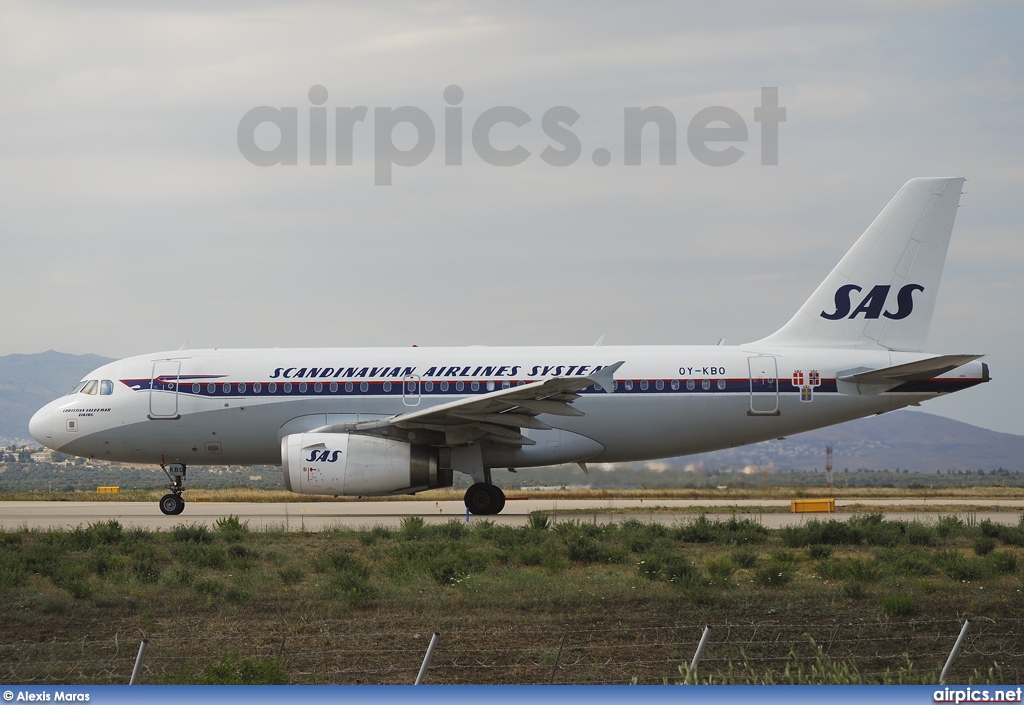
<point>40,426</point>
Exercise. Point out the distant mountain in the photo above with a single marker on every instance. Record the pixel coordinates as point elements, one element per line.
<point>908,440</point>
<point>27,382</point>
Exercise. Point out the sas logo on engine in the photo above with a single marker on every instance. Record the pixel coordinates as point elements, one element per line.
<point>323,456</point>
<point>873,305</point>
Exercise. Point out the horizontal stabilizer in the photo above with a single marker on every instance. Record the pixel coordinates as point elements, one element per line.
<point>910,372</point>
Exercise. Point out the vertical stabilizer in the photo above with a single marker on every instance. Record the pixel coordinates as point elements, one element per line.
<point>882,293</point>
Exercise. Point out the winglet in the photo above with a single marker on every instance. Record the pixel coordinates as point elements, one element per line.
<point>606,376</point>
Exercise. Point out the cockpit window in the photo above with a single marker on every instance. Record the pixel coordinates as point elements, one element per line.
<point>106,386</point>
<point>78,387</point>
<point>90,387</point>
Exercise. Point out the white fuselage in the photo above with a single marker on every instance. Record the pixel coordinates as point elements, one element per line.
<point>219,407</point>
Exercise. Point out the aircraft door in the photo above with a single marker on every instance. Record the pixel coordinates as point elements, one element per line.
<point>411,390</point>
<point>163,390</point>
<point>764,386</point>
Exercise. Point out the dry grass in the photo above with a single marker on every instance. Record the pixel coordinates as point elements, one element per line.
<point>242,494</point>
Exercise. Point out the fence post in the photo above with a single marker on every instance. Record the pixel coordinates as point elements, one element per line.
<point>558,657</point>
<point>138,662</point>
<point>696,654</point>
<point>954,652</point>
<point>426,659</point>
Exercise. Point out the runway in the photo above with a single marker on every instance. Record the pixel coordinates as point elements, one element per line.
<point>317,516</point>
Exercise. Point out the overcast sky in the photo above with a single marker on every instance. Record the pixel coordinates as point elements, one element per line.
<point>131,222</point>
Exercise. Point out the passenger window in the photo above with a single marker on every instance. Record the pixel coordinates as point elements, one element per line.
<point>629,385</point>
<point>106,387</point>
<point>348,386</point>
<point>387,386</point>
<point>459,386</point>
<point>721,384</point>
<point>659,385</point>
<point>475,386</point>
<point>363,386</point>
<point>90,387</point>
<point>334,387</point>
<point>644,384</point>
<point>675,384</point>
<point>705,384</point>
<point>689,384</point>
<point>444,386</point>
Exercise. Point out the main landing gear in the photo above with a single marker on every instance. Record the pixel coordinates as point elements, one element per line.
<point>485,498</point>
<point>172,504</point>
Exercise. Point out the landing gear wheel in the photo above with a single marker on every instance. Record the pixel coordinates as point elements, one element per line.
<point>172,504</point>
<point>484,499</point>
<point>497,499</point>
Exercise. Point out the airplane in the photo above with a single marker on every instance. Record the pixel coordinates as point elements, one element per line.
<point>381,421</point>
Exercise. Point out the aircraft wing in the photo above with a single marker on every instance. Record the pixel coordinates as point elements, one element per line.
<point>499,415</point>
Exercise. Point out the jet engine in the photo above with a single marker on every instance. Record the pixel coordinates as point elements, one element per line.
<point>352,464</point>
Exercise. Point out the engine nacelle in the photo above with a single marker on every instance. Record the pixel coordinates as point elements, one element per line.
<point>352,464</point>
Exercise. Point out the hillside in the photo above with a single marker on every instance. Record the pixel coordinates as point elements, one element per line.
<point>27,382</point>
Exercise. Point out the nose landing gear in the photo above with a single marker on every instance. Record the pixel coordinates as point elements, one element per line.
<point>172,504</point>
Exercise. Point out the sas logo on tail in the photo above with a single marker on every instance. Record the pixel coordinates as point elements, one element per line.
<point>873,305</point>
<point>323,456</point>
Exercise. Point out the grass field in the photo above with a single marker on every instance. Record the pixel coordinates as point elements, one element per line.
<point>866,600</point>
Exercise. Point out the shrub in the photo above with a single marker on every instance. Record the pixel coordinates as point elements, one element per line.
<point>538,521</point>
<point>232,528</point>
<point>920,534</point>
<point>950,527</point>
<point>831,532</point>
<point>775,574</point>
<point>817,551</point>
<point>960,567</point>
<point>898,605</point>
<point>1002,562</point>
<point>984,545</point>
<point>744,557</point>
<point>202,556</point>
<point>732,531</point>
<point>453,529</point>
<point>412,528</point>
<point>720,570</point>
<point>194,533</point>
<point>670,567</point>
